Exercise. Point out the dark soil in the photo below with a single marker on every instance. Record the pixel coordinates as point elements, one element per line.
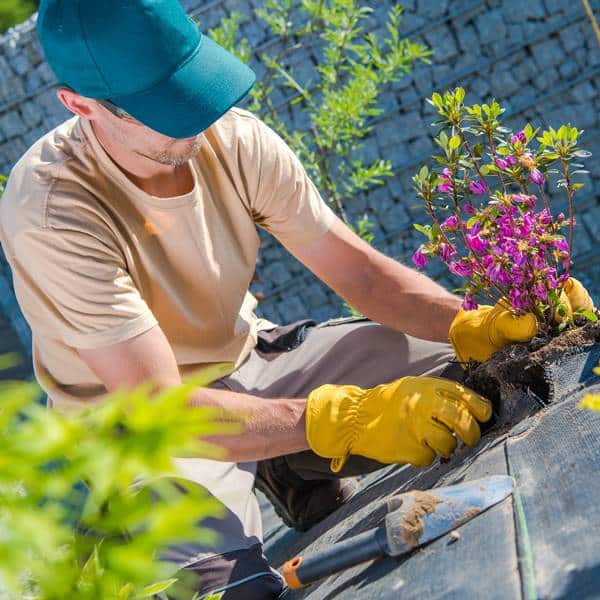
<point>517,378</point>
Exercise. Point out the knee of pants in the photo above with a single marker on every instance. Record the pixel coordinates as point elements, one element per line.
<point>243,574</point>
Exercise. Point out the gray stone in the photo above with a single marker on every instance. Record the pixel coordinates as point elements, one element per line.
<point>553,6</point>
<point>592,224</point>
<point>490,26</point>
<point>442,43</point>
<point>45,73</point>
<point>32,82</point>
<point>442,76</point>
<point>467,38</point>
<point>31,114</point>
<point>480,87</point>
<point>570,37</point>
<point>568,69</point>
<point>314,295</point>
<point>423,80</point>
<point>583,91</point>
<point>293,309</point>
<point>421,148</point>
<point>5,70</point>
<point>547,54</point>
<point>503,83</point>
<point>11,124</point>
<point>20,64</point>
<point>408,96</point>
<point>411,22</point>
<point>11,89</point>
<point>276,273</point>
<point>532,9</point>
<point>395,218</point>
<point>49,103</point>
<point>408,125</point>
<point>432,8</point>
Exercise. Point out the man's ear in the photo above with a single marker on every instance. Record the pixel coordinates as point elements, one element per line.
<point>76,103</point>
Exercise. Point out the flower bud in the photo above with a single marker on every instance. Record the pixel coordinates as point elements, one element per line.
<point>537,176</point>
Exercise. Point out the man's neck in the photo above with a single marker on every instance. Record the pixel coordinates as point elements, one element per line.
<point>154,178</point>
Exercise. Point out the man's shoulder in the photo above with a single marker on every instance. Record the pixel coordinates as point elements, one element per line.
<point>43,175</point>
<point>237,123</point>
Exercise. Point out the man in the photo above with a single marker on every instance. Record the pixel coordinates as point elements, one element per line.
<point>131,232</point>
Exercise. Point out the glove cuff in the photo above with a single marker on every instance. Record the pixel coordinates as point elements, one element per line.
<point>332,415</point>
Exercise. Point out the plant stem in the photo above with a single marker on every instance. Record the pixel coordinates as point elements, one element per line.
<point>490,138</point>
<point>474,159</point>
<point>565,166</point>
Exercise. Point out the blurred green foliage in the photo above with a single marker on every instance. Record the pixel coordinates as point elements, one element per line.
<point>13,12</point>
<point>89,500</point>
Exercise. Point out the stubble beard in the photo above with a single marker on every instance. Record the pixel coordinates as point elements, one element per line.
<point>175,159</point>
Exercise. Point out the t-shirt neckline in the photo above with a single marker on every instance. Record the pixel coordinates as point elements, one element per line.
<point>116,174</point>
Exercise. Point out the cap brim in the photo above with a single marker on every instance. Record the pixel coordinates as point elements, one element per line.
<point>195,96</point>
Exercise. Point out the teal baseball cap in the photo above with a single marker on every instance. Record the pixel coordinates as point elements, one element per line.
<point>145,56</point>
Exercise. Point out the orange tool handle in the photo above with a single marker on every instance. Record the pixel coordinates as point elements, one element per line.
<point>300,572</point>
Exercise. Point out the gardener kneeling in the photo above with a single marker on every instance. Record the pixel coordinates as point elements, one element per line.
<point>131,232</point>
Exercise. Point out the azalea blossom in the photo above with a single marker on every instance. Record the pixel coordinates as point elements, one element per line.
<point>477,187</point>
<point>468,303</point>
<point>537,176</point>
<point>450,223</point>
<point>419,259</point>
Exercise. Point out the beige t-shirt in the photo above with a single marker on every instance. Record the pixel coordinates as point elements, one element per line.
<point>97,261</point>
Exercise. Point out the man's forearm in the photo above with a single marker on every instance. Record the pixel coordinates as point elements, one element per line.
<point>270,426</point>
<point>406,300</point>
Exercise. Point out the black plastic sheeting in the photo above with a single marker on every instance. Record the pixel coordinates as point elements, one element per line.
<point>543,542</point>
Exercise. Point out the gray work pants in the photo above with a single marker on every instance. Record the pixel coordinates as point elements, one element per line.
<point>342,351</point>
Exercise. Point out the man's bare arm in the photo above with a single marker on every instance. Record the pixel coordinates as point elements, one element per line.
<point>378,286</point>
<point>272,427</point>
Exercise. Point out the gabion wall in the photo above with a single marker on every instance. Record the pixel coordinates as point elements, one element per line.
<point>539,58</point>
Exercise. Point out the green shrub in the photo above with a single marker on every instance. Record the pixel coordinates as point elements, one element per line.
<point>88,500</point>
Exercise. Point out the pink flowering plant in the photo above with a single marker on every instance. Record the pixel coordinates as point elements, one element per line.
<point>491,221</point>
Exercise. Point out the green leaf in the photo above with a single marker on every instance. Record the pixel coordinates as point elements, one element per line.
<point>424,229</point>
<point>155,588</point>
<point>588,314</point>
<point>454,142</point>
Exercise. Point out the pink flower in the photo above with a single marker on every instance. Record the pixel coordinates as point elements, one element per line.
<point>518,137</point>
<point>445,187</point>
<point>537,262</point>
<point>502,163</point>
<point>447,251</point>
<point>544,217</point>
<point>551,277</point>
<point>561,244</point>
<point>468,208</point>
<point>462,268</point>
<point>537,176</point>
<point>510,160</point>
<point>419,259</point>
<point>477,243</point>
<point>477,187</point>
<point>539,289</point>
<point>518,299</point>
<point>468,303</point>
<point>450,223</point>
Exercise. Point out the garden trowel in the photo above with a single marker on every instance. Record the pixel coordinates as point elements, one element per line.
<point>413,519</point>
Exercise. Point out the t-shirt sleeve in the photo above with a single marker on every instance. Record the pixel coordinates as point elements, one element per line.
<point>78,286</point>
<point>286,202</point>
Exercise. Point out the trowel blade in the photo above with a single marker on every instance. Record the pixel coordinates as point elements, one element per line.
<point>416,518</point>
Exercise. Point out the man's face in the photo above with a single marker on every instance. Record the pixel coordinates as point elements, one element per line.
<point>141,140</point>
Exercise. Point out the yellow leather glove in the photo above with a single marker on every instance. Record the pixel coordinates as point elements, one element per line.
<point>406,421</point>
<point>477,334</point>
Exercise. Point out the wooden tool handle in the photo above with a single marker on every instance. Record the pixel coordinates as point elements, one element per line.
<point>300,572</point>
